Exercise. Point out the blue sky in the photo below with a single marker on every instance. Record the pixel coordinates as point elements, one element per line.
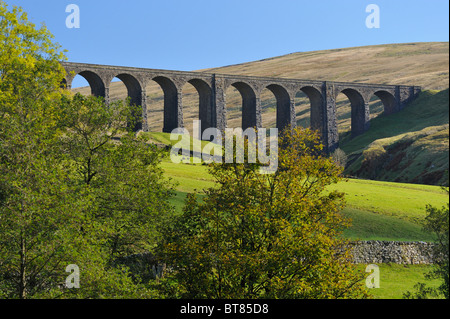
<point>198,34</point>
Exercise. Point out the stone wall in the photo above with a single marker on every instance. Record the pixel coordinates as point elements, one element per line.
<point>374,252</point>
<point>364,252</point>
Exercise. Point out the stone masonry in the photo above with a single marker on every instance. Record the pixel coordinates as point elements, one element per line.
<point>396,252</point>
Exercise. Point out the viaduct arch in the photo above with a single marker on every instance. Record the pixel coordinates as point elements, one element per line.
<point>211,90</point>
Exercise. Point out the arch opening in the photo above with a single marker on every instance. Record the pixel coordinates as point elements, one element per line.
<point>88,83</point>
<point>247,106</point>
<point>309,108</point>
<point>352,114</point>
<point>117,90</point>
<point>268,109</point>
<point>191,108</point>
<point>284,115</point>
<point>155,106</point>
<point>133,87</point>
<point>302,110</point>
<point>388,103</point>
<point>125,86</point>
<point>80,85</point>
<point>197,104</point>
<point>173,114</point>
<point>376,107</point>
<point>233,107</point>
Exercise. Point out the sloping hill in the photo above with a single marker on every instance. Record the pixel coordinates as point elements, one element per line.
<point>423,64</point>
<point>379,210</point>
<point>410,146</point>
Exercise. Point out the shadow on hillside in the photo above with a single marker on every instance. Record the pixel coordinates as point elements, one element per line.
<point>429,109</point>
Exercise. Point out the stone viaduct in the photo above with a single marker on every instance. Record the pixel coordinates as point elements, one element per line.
<point>211,89</point>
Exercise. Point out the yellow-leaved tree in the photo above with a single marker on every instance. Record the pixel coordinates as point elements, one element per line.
<point>265,235</point>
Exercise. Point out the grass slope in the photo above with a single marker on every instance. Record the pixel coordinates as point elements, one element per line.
<point>424,64</point>
<point>379,210</point>
<point>401,200</point>
<point>371,226</point>
<point>409,146</point>
<point>395,280</point>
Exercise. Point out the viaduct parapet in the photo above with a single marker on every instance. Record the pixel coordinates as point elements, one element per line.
<point>211,89</point>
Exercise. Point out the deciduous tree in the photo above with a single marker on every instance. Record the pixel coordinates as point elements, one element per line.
<point>76,185</point>
<point>32,207</point>
<point>265,236</point>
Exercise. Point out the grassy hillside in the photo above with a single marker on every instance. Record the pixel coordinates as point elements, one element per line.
<point>409,146</point>
<point>379,210</point>
<point>425,64</point>
<point>421,64</point>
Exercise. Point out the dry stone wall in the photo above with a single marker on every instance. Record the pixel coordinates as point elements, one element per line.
<point>364,252</point>
<point>374,252</point>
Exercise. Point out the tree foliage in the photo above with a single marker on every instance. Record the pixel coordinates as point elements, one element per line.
<point>264,235</point>
<point>340,158</point>
<point>76,185</point>
<point>117,173</point>
<point>437,221</point>
<point>33,199</point>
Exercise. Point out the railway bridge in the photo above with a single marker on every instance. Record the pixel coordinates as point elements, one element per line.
<point>211,89</point>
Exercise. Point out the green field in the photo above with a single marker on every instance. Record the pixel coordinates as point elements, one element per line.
<point>401,200</point>
<point>379,210</point>
<point>395,280</point>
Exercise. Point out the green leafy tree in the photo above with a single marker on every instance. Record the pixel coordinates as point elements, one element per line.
<point>32,206</point>
<point>118,173</point>
<point>264,235</point>
<point>76,186</point>
<point>118,192</point>
<point>438,222</point>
